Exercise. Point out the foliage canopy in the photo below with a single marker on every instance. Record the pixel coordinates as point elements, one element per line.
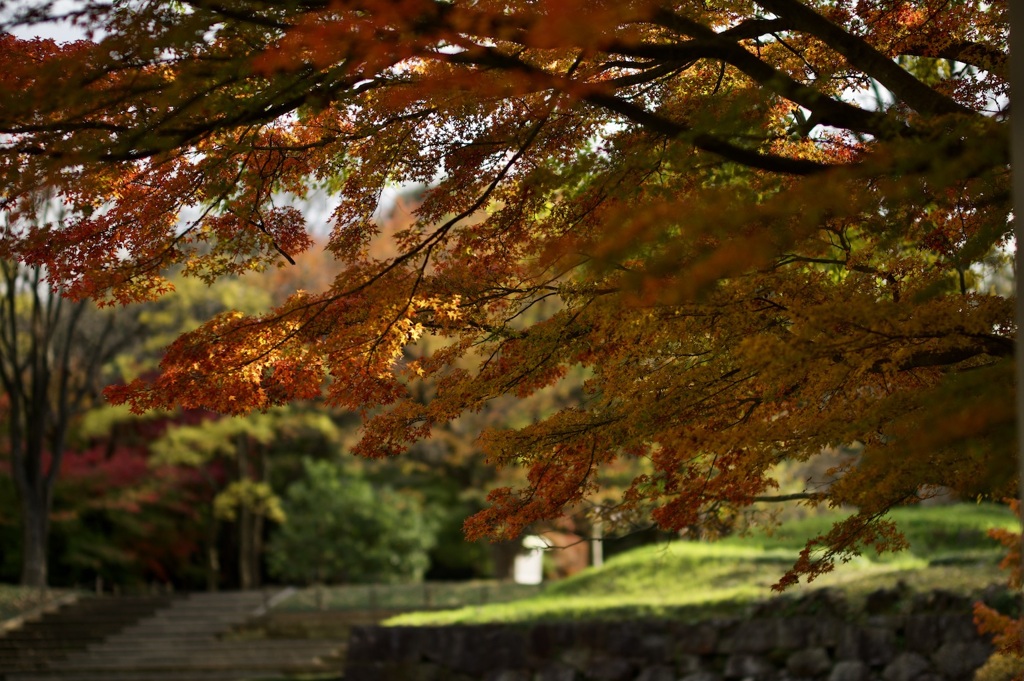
<point>771,227</point>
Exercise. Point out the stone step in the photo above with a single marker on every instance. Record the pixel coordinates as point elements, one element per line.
<point>189,659</point>
<point>269,666</point>
<point>59,625</point>
<point>227,598</point>
<point>174,640</point>
<point>95,611</point>
<point>187,652</point>
<point>225,645</point>
<point>194,657</point>
<point>9,664</point>
<point>179,637</point>
<point>197,617</point>
<point>174,615</point>
<point>54,635</point>
<point>279,666</point>
<point>193,602</point>
<point>105,607</point>
<point>201,603</point>
<point>192,632</point>
<point>124,601</point>
<point>192,612</point>
<point>41,638</point>
<point>110,612</point>
<point>84,624</point>
<point>152,675</point>
<point>40,650</point>
<point>148,627</point>
<point>184,622</point>
<point>172,660</point>
<point>30,661</point>
<point>195,613</point>
<point>104,604</point>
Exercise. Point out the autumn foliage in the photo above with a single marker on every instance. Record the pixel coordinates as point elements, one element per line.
<point>770,227</point>
<point>1007,633</point>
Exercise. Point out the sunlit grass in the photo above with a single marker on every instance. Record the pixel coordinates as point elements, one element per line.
<point>948,549</point>
<point>935,533</point>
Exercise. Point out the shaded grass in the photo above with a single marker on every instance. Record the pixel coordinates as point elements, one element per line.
<point>689,580</point>
<point>18,600</point>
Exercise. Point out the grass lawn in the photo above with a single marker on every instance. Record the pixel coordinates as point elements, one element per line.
<point>948,549</point>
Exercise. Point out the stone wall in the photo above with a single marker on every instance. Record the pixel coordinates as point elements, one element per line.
<point>931,639</point>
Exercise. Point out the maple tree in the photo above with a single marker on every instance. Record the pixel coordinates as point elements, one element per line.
<point>1007,633</point>
<point>753,256</point>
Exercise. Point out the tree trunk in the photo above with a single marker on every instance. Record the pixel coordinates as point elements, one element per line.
<point>259,521</point>
<point>212,554</point>
<point>503,557</point>
<point>244,524</point>
<point>35,513</point>
<point>257,551</point>
<point>50,367</point>
<point>34,487</point>
<point>245,527</point>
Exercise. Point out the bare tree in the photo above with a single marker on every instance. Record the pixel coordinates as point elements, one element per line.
<point>54,353</point>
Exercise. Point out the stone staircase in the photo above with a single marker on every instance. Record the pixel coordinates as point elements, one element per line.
<point>181,640</point>
<point>53,636</point>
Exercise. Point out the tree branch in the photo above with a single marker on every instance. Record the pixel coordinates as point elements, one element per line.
<point>705,141</point>
<point>862,55</point>
<point>779,498</point>
<point>490,57</point>
<point>710,45</point>
<point>981,55</point>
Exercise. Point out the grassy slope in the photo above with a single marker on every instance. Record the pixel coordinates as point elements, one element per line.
<point>948,549</point>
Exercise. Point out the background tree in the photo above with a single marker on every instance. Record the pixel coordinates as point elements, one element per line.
<point>234,458</point>
<point>342,529</point>
<point>55,359</point>
<point>238,466</point>
<point>221,465</point>
<point>115,522</point>
<point>698,183</point>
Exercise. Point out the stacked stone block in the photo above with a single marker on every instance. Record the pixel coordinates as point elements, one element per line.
<point>931,638</point>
